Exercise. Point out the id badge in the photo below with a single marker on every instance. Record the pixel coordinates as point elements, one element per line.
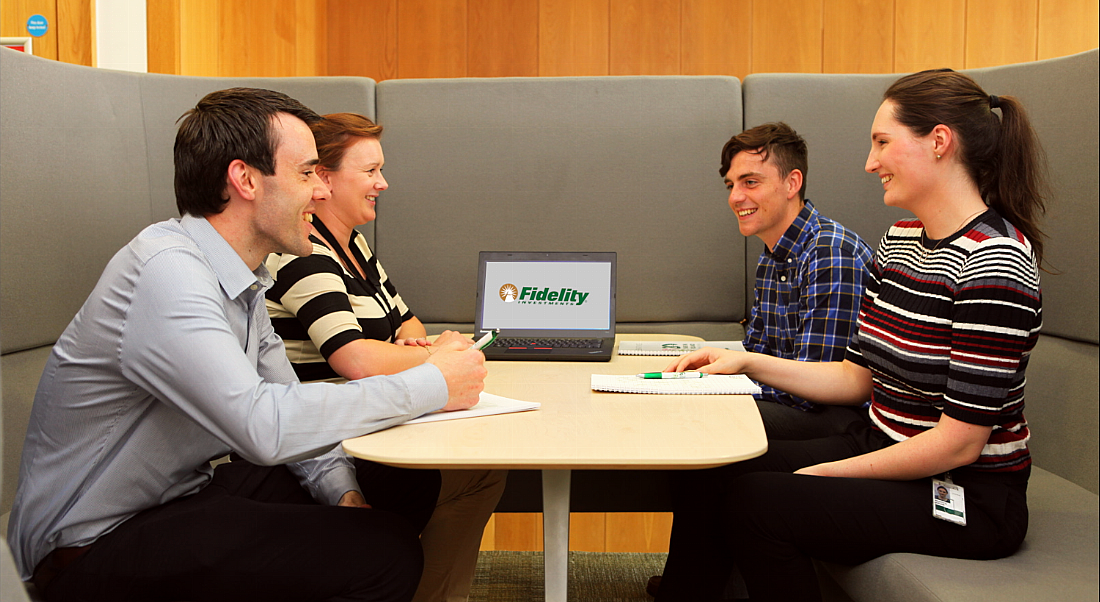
<point>948,501</point>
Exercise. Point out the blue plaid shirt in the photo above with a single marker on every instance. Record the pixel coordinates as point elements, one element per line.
<point>807,295</point>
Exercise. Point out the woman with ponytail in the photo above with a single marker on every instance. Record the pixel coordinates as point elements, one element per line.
<point>949,317</point>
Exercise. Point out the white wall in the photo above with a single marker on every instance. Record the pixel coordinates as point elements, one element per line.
<point>120,38</point>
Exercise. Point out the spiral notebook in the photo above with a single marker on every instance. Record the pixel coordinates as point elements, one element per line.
<point>713,384</point>
<point>673,348</point>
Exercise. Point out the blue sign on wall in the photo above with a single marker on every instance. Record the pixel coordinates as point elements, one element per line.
<point>37,26</point>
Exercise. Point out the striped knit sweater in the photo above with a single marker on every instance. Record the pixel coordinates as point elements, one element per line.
<point>947,327</point>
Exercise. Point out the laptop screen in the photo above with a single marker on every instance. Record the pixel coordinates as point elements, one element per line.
<point>559,293</point>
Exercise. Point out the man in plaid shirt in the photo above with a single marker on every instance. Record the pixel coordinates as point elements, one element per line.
<point>809,280</point>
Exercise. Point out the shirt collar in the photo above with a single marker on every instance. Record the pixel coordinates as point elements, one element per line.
<point>231,271</point>
<point>790,241</point>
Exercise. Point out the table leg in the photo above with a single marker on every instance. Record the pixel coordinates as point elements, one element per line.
<point>555,533</point>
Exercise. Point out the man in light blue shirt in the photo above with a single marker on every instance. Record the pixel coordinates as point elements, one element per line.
<point>172,362</point>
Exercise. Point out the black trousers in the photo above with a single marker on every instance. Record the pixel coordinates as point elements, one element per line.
<point>771,523</point>
<point>254,533</point>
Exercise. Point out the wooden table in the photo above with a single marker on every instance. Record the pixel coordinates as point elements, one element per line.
<point>577,428</point>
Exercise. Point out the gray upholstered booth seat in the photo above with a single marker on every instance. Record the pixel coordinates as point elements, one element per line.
<point>622,164</point>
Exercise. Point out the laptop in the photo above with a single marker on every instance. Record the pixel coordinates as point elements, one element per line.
<point>547,306</point>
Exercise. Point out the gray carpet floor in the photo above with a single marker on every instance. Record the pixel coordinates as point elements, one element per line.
<point>593,577</point>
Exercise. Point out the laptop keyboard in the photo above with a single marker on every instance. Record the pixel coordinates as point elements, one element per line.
<point>518,343</point>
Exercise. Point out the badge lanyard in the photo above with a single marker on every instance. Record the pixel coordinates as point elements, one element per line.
<point>948,500</point>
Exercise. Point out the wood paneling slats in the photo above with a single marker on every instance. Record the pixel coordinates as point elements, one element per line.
<point>269,50</point>
<point>999,32</point>
<point>503,38</point>
<point>431,38</point>
<point>162,34</point>
<point>573,37</point>
<point>858,36</point>
<point>1067,27</point>
<point>929,34</point>
<point>716,37</point>
<point>13,22</point>
<point>638,531</point>
<point>786,36</point>
<point>199,37</point>
<point>76,32</point>
<point>645,37</point>
<point>310,49</point>
<point>586,531</point>
<point>362,38</point>
<point>518,531</point>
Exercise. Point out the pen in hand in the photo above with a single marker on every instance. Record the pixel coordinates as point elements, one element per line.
<point>672,375</point>
<point>486,340</point>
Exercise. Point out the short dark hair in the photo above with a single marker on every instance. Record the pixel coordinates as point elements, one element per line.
<point>224,126</point>
<point>776,140</point>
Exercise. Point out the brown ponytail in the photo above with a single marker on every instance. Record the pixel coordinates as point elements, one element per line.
<point>1002,155</point>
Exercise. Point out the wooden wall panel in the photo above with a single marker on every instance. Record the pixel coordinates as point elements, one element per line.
<point>929,34</point>
<point>268,50</point>
<point>786,36</point>
<point>76,32</point>
<point>638,531</point>
<point>645,37</point>
<point>310,48</point>
<point>573,37</point>
<point>518,531</point>
<point>716,37</point>
<point>587,531</point>
<point>431,38</point>
<point>13,22</point>
<point>503,38</point>
<point>999,32</point>
<point>858,36</point>
<point>1067,27</point>
<point>162,34</point>
<point>199,37</point>
<point>362,38</point>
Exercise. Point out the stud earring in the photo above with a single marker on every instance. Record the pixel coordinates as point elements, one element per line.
<point>938,157</point>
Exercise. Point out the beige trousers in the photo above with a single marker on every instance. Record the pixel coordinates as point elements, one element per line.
<point>452,538</point>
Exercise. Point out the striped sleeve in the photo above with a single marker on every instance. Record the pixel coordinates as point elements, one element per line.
<point>310,302</point>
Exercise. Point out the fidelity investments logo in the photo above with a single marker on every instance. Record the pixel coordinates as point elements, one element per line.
<point>533,295</point>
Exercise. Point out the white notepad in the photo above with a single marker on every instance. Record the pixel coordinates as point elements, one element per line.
<point>673,347</point>
<point>714,384</point>
<point>488,405</point>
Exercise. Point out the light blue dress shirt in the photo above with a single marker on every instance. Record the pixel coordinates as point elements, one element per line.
<point>172,362</point>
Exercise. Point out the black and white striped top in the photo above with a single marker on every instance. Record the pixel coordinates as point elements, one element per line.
<point>318,306</point>
<point>947,327</point>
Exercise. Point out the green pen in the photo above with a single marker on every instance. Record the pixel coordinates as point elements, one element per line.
<point>486,340</point>
<point>672,375</point>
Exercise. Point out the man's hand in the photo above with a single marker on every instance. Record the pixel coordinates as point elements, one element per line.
<point>465,372</point>
<point>353,499</point>
<point>450,336</point>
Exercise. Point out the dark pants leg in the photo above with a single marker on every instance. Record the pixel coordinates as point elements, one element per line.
<point>253,533</point>
<point>783,422</point>
<point>409,492</point>
<point>777,522</point>
<point>771,522</point>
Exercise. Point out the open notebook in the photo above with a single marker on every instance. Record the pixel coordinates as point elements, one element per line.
<point>713,384</point>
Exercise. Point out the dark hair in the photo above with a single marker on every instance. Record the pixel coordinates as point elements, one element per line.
<point>1002,155</point>
<point>336,132</point>
<point>776,140</point>
<point>224,126</point>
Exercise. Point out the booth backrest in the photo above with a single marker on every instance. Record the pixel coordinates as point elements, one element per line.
<point>627,164</point>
